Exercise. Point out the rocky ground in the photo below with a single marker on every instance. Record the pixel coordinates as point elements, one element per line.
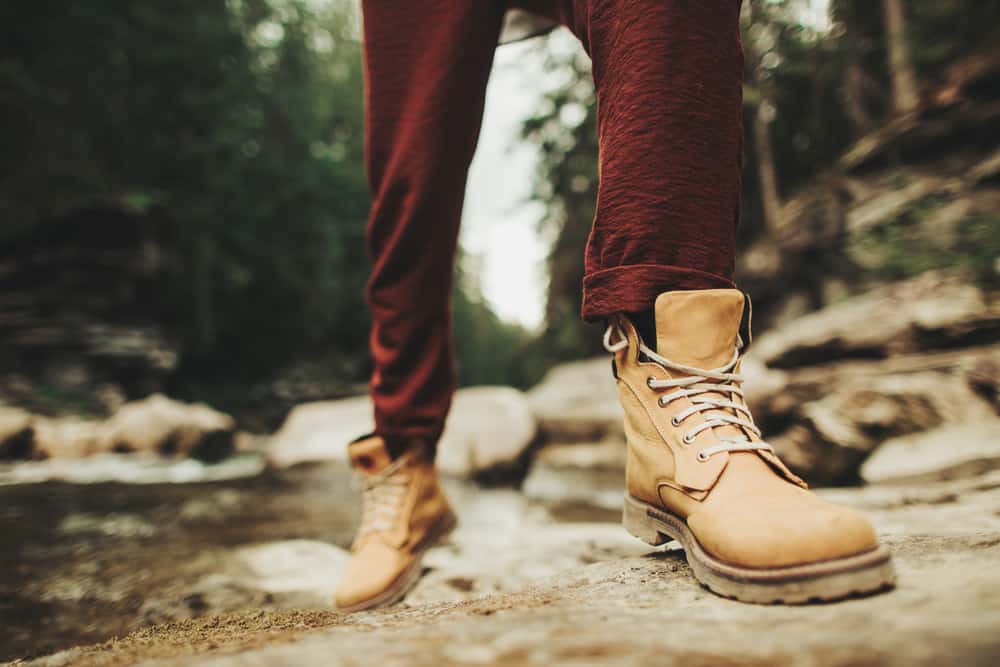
<point>241,571</point>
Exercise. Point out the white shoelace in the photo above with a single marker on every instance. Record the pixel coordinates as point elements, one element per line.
<point>694,386</point>
<point>382,495</point>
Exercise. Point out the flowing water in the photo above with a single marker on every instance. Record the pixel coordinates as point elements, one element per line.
<point>85,560</point>
<point>98,548</point>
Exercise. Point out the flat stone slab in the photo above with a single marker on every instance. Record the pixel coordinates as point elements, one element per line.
<point>595,598</point>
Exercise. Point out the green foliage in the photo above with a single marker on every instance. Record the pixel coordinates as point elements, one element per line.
<point>565,131</point>
<point>946,31</point>
<point>489,350</point>
<point>799,70</point>
<point>233,129</point>
<point>904,247</point>
<point>825,88</point>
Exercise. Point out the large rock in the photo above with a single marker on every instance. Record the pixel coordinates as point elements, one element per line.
<point>891,365</point>
<point>928,312</point>
<point>832,436</point>
<point>320,431</point>
<point>154,425</point>
<point>577,402</point>
<point>488,429</point>
<point>959,449</point>
<point>160,425</point>
<point>67,438</point>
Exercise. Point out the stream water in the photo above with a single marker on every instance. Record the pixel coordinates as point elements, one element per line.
<point>86,560</point>
<point>97,548</point>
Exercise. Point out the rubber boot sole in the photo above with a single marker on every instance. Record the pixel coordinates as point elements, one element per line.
<point>815,582</point>
<point>409,577</point>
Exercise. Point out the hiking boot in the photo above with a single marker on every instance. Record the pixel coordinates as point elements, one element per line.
<point>404,514</point>
<point>698,471</point>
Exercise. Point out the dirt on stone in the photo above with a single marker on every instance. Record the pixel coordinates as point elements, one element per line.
<point>227,633</point>
<point>235,633</point>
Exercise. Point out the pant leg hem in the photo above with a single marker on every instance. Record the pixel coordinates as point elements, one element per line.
<point>400,440</point>
<point>634,288</point>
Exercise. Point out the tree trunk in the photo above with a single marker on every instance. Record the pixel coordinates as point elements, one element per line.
<point>766,170</point>
<point>905,95</point>
<point>856,84</point>
<point>768,173</point>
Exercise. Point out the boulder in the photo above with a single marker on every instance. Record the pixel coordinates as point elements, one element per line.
<point>890,366</point>
<point>952,451</point>
<point>320,430</point>
<point>835,434</point>
<point>928,312</point>
<point>489,429</point>
<point>160,425</point>
<point>154,425</point>
<point>66,437</point>
<point>577,402</point>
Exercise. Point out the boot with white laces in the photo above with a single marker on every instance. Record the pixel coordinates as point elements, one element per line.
<point>699,472</point>
<point>404,514</point>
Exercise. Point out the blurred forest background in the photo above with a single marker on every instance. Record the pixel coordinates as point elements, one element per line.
<point>183,195</point>
<point>183,203</point>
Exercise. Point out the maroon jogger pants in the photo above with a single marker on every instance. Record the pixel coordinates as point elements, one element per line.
<point>668,77</point>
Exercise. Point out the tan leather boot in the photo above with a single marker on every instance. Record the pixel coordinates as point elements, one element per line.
<point>404,514</point>
<point>698,471</point>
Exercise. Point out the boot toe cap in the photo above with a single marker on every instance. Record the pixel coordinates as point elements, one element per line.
<point>372,572</point>
<point>768,533</point>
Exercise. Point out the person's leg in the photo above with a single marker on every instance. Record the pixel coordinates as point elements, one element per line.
<point>668,80</point>
<point>426,69</point>
<point>668,76</point>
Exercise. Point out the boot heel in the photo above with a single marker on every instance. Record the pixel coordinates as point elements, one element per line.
<point>638,523</point>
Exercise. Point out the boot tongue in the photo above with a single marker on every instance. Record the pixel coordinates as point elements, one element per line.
<point>698,327</point>
<point>369,454</point>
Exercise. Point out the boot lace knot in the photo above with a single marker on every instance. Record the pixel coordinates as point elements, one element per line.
<point>697,385</point>
<point>382,496</point>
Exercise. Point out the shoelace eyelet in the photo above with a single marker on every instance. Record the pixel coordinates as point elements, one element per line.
<point>649,381</point>
<point>674,421</point>
<point>687,439</point>
<point>662,403</point>
<point>702,457</point>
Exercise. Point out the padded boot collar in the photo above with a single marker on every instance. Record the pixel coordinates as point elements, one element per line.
<point>698,328</point>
